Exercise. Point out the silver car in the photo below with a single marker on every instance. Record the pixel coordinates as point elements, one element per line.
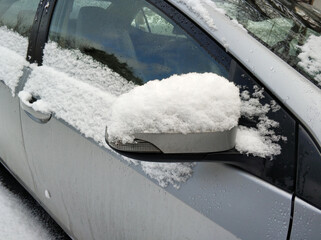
<point>226,146</point>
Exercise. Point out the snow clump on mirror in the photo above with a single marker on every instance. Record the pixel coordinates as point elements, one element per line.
<point>311,58</point>
<point>188,103</point>
<point>262,140</point>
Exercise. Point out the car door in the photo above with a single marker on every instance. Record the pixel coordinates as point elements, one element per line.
<point>95,52</point>
<point>16,19</point>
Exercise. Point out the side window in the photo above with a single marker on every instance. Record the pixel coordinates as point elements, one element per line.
<point>18,15</point>
<point>132,38</point>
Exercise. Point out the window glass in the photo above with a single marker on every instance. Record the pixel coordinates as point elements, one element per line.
<point>288,28</point>
<point>18,15</point>
<point>133,38</point>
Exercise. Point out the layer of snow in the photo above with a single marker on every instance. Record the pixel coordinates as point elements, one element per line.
<point>13,41</point>
<point>83,67</point>
<point>187,103</point>
<point>87,108</point>
<point>11,67</point>
<point>310,57</point>
<point>261,141</point>
<point>16,221</point>
<point>78,103</point>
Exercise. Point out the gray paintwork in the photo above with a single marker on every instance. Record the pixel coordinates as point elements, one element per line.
<point>11,141</point>
<point>306,221</point>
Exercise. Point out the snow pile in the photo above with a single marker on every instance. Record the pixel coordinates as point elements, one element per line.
<point>16,222</point>
<point>83,67</point>
<point>187,103</point>
<point>78,103</point>
<point>262,140</point>
<point>11,67</point>
<point>13,41</point>
<point>200,9</point>
<point>310,57</point>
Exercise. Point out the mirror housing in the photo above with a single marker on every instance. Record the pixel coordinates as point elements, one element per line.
<point>178,143</point>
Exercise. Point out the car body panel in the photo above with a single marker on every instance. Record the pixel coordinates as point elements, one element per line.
<point>12,149</point>
<point>93,187</point>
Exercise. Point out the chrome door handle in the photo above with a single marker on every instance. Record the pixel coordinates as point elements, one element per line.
<point>39,117</point>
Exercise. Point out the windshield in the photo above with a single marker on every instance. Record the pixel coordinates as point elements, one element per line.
<point>290,29</point>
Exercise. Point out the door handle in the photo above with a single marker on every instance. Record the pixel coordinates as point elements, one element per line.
<point>37,116</point>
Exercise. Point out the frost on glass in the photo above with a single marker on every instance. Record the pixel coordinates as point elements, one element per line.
<point>287,28</point>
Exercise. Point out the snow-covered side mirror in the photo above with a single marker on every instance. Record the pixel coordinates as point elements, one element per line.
<point>174,143</point>
<point>183,114</point>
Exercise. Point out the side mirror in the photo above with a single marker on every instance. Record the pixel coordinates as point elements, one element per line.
<point>178,143</point>
<point>188,114</point>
